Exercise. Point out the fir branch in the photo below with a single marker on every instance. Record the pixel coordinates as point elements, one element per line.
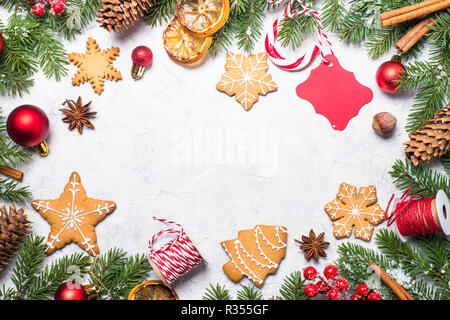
<point>217,292</point>
<point>419,179</point>
<point>333,12</point>
<point>9,191</point>
<point>223,38</point>
<point>116,274</point>
<point>160,12</point>
<point>294,30</point>
<point>445,160</point>
<point>67,268</point>
<point>292,287</point>
<point>249,293</point>
<point>248,24</point>
<point>381,40</point>
<point>28,263</point>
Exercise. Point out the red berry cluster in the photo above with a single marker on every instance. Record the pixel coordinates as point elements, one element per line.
<point>56,6</point>
<point>333,286</point>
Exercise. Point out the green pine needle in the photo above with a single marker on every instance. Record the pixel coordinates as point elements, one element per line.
<point>292,287</point>
<point>217,292</point>
<point>249,293</point>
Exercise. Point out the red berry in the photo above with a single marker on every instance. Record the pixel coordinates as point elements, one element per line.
<point>355,297</point>
<point>362,290</point>
<point>322,286</point>
<point>374,296</point>
<point>333,294</point>
<point>38,9</point>
<point>330,272</point>
<point>310,273</point>
<point>58,7</point>
<point>310,290</point>
<point>341,284</point>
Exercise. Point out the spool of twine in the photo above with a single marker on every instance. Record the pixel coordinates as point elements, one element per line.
<point>176,257</point>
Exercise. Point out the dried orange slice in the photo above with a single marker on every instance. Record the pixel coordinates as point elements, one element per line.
<point>203,17</point>
<point>152,290</point>
<point>184,46</point>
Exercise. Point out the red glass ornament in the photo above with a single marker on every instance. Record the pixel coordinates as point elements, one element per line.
<point>387,73</point>
<point>330,272</point>
<point>374,296</point>
<point>310,273</point>
<point>71,291</point>
<point>362,290</point>
<point>2,42</point>
<point>142,57</point>
<point>333,294</point>
<point>341,284</point>
<point>38,9</point>
<point>311,290</point>
<point>28,126</point>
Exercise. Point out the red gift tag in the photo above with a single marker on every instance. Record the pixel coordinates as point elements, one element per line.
<point>334,92</point>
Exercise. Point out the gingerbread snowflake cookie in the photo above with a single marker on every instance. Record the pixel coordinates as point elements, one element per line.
<point>246,78</point>
<point>95,66</point>
<point>351,209</point>
<point>255,253</point>
<point>73,216</point>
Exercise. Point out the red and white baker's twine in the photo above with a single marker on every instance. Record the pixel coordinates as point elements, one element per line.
<point>176,257</point>
<point>306,58</point>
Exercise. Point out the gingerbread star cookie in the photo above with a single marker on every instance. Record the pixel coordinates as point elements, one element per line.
<point>246,78</point>
<point>360,210</point>
<point>95,66</point>
<point>255,253</point>
<point>73,216</point>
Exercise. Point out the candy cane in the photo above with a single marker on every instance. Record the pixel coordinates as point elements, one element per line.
<point>177,257</point>
<point>306,58</point>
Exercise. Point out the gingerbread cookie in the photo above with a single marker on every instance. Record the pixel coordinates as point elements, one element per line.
<point>246,78</point>
<point>255,253</point>
<point>355,209</point>
<point>73,216</point>
<point>95,66</point>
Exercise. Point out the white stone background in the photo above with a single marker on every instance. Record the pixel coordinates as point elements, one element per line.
<point>131,155</point>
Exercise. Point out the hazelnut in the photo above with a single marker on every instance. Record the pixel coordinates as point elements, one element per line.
<point>384,123</point>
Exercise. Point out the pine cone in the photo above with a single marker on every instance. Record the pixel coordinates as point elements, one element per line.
<point>13,230</point>
<point>119,15</point>
<point>432,140</point>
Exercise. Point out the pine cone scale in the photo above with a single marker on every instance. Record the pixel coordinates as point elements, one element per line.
<point>120,15</point>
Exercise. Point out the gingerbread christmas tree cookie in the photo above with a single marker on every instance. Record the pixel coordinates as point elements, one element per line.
<point>246,78</point>
<point>351,209</point>
<point>73,216</point>
<point>255,253</point>
<point>95,66</point>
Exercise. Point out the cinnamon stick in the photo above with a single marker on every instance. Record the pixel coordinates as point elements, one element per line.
<point>12,173</point>
<point>414,35</point>
<point>398,290</point>
<point>413,11</point>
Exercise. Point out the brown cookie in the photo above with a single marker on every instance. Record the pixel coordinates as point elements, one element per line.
<point>255,253</point>
<point>246,78</point>
<point>355,209</point>
<point>73,216</point>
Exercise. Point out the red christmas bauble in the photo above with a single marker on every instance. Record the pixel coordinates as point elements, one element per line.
<point>362,290</point>
<point>330,272</point>
<point>387,73</point>
<point>310,273</point>
<point>333,294</point>
<point>374,296</point>
<point>142,56</point>
<point>71,291</point>
<point>2,42</point>
<point>311,290</point>
<point>27,125</point>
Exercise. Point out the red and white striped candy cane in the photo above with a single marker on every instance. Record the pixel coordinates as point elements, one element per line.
<point>306,58</point>
<point>175,258</point>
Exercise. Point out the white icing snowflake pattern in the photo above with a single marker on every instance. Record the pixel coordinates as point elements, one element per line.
<point>358,210</point>
<point>73,216</point>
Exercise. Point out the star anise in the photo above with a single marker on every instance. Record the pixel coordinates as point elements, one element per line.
<point>313,246</point>
<point>77,114</point>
